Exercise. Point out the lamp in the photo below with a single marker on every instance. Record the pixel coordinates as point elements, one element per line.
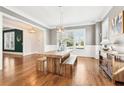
<point>105,42</point>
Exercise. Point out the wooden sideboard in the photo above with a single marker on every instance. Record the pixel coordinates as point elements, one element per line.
<point>112,64</point>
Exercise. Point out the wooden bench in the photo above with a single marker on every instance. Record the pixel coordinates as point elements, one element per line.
<point>41,63</point>
<point>68,66</point>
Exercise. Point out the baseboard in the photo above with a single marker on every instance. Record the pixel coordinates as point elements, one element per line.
<point>89,57</point>
<point>34,54</point>
<point>86,57</point>
<point>31,54</point>
<point>13,53</point>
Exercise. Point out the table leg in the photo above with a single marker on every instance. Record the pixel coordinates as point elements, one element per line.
<point>53,65</point>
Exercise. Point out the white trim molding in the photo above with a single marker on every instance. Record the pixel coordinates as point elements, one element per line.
<point>14,53</point>
<point>24,15</point>
<point>1,42</point>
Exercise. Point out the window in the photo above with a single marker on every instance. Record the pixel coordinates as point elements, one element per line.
<point>72,38</point>
<point>9,41</point>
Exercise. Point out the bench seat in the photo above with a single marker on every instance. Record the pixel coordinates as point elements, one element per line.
<point>71,60</point>
<point>68,66</point>
<point>41,63</point>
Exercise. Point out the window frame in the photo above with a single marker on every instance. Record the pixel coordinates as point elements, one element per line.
<point>60,37</point>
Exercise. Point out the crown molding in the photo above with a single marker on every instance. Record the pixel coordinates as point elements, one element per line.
<point>12,13</point>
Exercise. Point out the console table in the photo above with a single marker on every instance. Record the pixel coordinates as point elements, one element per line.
<point>112,64</point>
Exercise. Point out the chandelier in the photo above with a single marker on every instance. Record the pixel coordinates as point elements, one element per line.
<point>60,27</point>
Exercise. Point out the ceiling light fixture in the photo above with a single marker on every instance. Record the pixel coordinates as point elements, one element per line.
<point>60,27</point>
<point>32,30</point>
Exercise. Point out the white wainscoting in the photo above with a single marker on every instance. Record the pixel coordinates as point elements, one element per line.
<point>50,47</point>
<point>88,51</point>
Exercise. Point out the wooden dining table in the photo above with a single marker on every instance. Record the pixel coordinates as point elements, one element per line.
<point>55,59</point>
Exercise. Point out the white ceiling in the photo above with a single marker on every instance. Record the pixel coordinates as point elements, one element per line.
<point>72,15</point>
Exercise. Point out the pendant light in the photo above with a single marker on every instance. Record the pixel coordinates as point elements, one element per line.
<point>60,27</point>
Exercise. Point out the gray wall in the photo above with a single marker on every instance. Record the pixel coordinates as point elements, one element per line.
<point>53,37</point>
<point>47,37</point>
<point>98,36</point>
<point>90,34</point>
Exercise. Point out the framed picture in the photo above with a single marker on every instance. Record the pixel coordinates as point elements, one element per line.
<point>117,24</point>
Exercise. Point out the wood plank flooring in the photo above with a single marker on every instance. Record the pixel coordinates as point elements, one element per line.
<point>21,71</point>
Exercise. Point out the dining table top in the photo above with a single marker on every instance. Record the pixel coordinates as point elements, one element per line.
<point>57,54</point>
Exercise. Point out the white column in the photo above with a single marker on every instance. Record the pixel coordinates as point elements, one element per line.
<point>1,49</point>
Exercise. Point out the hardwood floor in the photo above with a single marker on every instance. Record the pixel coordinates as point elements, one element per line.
<point>22,71</point>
